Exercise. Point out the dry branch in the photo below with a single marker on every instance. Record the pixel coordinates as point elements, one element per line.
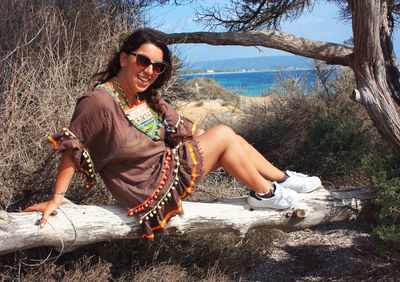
<point>78,225</point>
<point>331,53</point>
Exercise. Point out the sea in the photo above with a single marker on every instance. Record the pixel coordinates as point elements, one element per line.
<point>254,83</point>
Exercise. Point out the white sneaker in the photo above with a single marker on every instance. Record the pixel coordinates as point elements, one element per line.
<point>282,199</point>
<point>300,182</point>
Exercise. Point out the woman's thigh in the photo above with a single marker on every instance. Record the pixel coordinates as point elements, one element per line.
<point>213,143</point>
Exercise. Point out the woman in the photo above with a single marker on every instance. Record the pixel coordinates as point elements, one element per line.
<point>150,157</point>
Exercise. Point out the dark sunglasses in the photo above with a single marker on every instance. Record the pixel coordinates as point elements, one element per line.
<point>142,61</point>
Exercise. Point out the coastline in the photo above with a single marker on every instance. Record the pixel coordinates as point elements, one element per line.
<point>252,83</point>
<point>242,71</point>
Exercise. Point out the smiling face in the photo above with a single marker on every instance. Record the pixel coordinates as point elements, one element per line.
<point>134,79</point>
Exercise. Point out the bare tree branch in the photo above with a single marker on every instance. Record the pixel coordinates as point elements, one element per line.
<point>331,53</point>
<point>242,15</point>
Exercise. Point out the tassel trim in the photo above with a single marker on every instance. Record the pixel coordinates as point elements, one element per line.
<point>89,172</point>
<point>167,217</point>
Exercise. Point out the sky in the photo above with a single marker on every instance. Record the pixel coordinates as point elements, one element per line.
<point>321,24</point>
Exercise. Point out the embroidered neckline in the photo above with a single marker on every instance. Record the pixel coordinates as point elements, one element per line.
<point>120,90</point>
<point>151,126</point>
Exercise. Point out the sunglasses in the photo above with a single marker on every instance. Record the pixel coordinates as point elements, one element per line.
<point>142,61</point>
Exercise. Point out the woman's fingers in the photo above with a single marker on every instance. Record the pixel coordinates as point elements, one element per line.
<point>44,218</point>
<point>37,207</point>
<point>51,207</point>
<point>46,208</point>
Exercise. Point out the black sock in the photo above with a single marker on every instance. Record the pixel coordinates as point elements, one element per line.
<point>284,178</point>
<point>270,193</point>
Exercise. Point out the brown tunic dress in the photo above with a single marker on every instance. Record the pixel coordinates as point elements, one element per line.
<point>147,177</point>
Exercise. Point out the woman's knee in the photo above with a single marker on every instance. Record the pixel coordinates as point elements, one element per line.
<point>229,134</point>
<point>241,140</point>
<point>224,132</point>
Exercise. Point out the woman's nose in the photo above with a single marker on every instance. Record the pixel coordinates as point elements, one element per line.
<point>149,69</point>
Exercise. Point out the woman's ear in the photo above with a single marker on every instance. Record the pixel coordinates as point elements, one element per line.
<point>123,58</point>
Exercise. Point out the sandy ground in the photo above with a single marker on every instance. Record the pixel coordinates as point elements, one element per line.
<point>335,252</point>
<point>203,110</point>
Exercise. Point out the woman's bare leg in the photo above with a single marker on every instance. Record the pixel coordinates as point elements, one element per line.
<point>221,146</point>
<point>264,167</point>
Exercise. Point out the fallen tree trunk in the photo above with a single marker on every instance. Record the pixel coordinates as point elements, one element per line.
<point>78,225</point>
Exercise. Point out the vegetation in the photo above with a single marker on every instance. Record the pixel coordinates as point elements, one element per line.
<point>207,89</point>
<point>385,173</point>
<point>49,50</point>
<point>323,132</point>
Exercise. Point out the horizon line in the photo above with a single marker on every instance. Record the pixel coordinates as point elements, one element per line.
<point>253,57</point>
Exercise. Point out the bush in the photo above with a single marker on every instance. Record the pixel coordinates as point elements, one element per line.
<point>334,144</point>
<point>199,89</point>
<point>384,172</point>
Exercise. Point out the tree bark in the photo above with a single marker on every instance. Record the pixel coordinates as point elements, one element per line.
<point>78,225</point>
<point>376,68</point>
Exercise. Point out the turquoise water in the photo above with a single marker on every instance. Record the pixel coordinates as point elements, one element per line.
<point>253,84</point>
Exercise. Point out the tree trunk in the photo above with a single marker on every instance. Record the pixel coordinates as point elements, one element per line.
<point>373,60</point>
<point>77,225</point>
<point>376,68</point>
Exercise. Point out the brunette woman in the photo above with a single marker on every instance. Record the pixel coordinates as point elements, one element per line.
<point>149,156</point>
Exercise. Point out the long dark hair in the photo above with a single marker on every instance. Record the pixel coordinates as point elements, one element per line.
<point>132,43</point>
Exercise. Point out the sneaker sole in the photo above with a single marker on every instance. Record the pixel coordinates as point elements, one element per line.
<point>261,204</point>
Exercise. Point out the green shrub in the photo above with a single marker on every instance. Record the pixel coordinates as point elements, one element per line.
<point>202,88</point>
<point>333,145</point>
<point>384,170</point>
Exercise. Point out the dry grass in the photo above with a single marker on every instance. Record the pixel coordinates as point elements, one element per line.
<point>46,62</point>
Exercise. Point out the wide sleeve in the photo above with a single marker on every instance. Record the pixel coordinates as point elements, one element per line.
<point>177,124</point>
<point>84,134</point>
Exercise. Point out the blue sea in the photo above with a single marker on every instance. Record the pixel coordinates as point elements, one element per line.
<point>254,84</point>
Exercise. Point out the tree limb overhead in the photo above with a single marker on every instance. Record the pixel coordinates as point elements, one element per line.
<point>331,53</point>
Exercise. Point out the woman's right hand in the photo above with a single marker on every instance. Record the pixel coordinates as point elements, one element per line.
<point>46,208</point>
<point>65,173</point>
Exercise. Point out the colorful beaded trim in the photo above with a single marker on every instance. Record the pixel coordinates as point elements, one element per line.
<point>179,209</point>
<point>90,174</point>
<point>167,193</point>
<point>194,176</point>
<point>173,130</point>
<point>154,196</point>
<point>151,126</point>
